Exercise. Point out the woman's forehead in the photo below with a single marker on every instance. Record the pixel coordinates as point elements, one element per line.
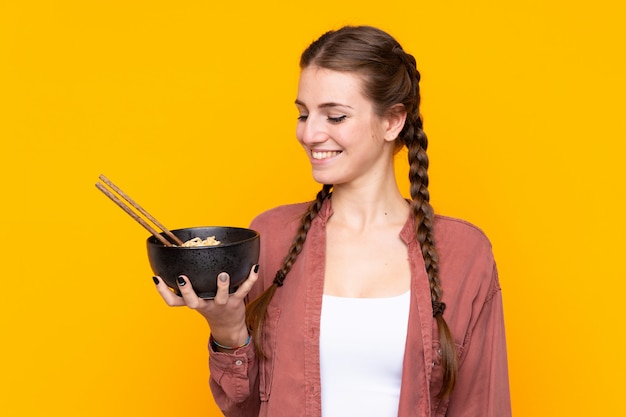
<point>323,87</point>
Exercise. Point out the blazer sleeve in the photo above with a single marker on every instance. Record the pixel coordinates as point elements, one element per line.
<point>234,381</point>
<point>483,381</point>
<point>234,377</point>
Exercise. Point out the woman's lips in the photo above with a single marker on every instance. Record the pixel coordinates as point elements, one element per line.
<point>320,155</point>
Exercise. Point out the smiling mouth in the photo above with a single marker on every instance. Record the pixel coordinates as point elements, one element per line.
<point>324,155</point>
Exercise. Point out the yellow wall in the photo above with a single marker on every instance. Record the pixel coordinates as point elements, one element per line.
<point>189,109</point>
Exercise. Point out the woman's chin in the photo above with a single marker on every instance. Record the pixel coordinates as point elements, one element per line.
<point>323,179</point>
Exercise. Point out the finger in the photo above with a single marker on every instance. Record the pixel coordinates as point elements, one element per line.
<point>189,296</point>
<point>247,285</point>
<point>223,282</point>
<point>168,296</point>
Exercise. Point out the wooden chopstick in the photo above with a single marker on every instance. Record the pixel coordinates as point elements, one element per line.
<point>134,215</point>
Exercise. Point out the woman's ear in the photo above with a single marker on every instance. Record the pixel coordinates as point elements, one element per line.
<point>395,118</point>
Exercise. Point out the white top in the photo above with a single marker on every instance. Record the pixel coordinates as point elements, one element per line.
<point>362,344</point>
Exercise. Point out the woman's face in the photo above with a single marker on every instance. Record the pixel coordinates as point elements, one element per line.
<point>337,127</point>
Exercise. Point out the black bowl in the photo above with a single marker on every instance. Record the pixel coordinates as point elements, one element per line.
<point>237,252</point>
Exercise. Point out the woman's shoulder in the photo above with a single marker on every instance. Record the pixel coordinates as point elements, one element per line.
<point>466,262</point>
<point>280,216</point>
<point>454,230</point>
<point>459,239</point>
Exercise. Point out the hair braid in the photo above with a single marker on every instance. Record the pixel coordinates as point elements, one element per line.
<point>423,213</point>
<point>416,141</point>
<point>257,309</point>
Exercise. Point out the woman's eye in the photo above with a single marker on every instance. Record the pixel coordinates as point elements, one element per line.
<point>337,119</point>
<point>302,118</point>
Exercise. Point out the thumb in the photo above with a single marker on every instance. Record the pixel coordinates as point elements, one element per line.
<point>223,281</point>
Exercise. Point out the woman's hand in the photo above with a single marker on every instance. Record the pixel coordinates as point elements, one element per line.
<point>226,313</point>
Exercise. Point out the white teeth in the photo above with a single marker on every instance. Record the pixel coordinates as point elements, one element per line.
<point>324,155</point>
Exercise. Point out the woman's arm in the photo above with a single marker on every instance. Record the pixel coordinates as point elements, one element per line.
<point>234,381</point>
<point>482,388</point>
<point>234,373</point>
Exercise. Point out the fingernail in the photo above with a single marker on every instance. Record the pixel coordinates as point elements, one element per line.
<point>156,280</point>
<point>181,281</point>
<point>223,277</point>
<point>256,268</point>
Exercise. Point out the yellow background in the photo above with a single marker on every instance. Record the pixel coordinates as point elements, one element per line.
<point>189,108</point>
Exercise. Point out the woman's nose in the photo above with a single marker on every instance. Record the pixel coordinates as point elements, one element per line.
<point>312,131</point>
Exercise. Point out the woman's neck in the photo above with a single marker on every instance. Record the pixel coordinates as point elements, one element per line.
<point>361,208</point>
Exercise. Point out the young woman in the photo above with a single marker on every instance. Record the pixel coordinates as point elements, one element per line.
<point>364,303</point>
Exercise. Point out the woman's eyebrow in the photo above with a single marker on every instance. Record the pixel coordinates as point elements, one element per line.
<point>324,105</point>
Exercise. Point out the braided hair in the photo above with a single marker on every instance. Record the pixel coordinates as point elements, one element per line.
<point>390,76</point>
